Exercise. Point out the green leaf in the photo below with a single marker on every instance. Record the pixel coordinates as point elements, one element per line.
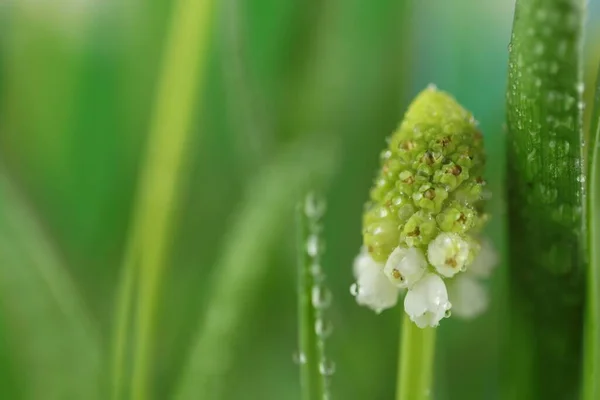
<point>546,196</point>
<point>184,62</point>
<point>591,366</point>
<point>264,217</point>
<point>313,298</point>
<point>56,342</point>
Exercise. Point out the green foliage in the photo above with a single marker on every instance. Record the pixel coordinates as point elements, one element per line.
<point>546,195</point>
<point>57,344</point>
<point>184,64</point>
<point>591,366</point>
<point>266,214</point>
<point>77,89</point>
<point>313,298</point>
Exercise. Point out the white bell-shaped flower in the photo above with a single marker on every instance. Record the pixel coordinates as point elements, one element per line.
<point>485,261</point>
<point>427,302</point>
<point>448,253</point>
<point>373,288</point>
<point>469,297</point>
<point>405,266</point>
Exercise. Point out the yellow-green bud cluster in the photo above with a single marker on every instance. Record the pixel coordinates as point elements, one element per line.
<point>430,179</point>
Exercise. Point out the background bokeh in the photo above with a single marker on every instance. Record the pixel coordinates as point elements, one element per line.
<point>77,82</point>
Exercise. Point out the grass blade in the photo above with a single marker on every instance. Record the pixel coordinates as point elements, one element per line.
<point>184,62</point>
<point>271,198</point>
<point>313,299</point>
<point>417,353</point>
<point>49,324</point>
<point>546,196</point>
<point>591,361</point>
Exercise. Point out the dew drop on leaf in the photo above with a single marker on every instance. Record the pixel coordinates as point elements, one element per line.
<point>327,367</point>
<point>321,297</point>
<point>323,328</point>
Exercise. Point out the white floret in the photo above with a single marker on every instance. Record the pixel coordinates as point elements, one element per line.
<point>374,290</point>
<point>448,253</point>
<point>427,302</point>
<point>405,266</point>
<point>468,296</point>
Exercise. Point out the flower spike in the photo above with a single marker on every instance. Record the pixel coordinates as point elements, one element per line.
<point>422,223</point>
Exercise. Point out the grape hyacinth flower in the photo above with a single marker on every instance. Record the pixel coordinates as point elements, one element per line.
<point>422,225</point>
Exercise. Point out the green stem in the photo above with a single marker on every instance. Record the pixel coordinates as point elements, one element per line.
<point>312,385</point>
<point>183,64</point>
<point>591,355</point>
<point>417,352</point>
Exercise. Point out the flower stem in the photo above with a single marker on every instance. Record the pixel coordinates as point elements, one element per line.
<point>417,351</point>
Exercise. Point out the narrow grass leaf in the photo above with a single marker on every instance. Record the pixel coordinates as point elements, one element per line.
<point>266,212</point>
<point>546,196</point>
<point>55,340</point>
<point>183,66</point>
<point>313,300</point>
<point>591,366</point>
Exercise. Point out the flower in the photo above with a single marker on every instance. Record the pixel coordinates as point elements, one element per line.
<point>448,253</point>
<point>425,212</point>
<point>373,289</point>
<point>405,266</point>
<point>427,302</point>
<point>469,296</point>
<point>485,261</point>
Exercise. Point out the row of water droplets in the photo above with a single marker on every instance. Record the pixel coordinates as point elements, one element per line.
<point>321,297</point>
<point>550,55</point>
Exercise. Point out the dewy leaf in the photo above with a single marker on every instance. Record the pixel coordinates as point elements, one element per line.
<point>591,365</point>
<point>52,334</point>
<point>265,215</point>
<point>546,195</point>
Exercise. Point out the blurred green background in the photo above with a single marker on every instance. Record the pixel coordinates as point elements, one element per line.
<point>77,82</point>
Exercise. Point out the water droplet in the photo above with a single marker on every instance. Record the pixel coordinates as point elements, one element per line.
<point>580,87</point>
<point>541,14</point>
<point>316,270</point>
<point>323,328</point>
<point>562,48</point>
<point>299,358</point>
<point>312,245</point>
<point>552,144</point>
<point>327,367</point>
<point>354,289</point>
<point>547,194</point>
<point>447,314</point>
<point>321,297</point>
<point>581,178</point>
<point>538,48</point>
<point>314,206</point>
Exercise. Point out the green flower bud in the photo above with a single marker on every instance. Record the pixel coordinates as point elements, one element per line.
<point>430,179</point>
